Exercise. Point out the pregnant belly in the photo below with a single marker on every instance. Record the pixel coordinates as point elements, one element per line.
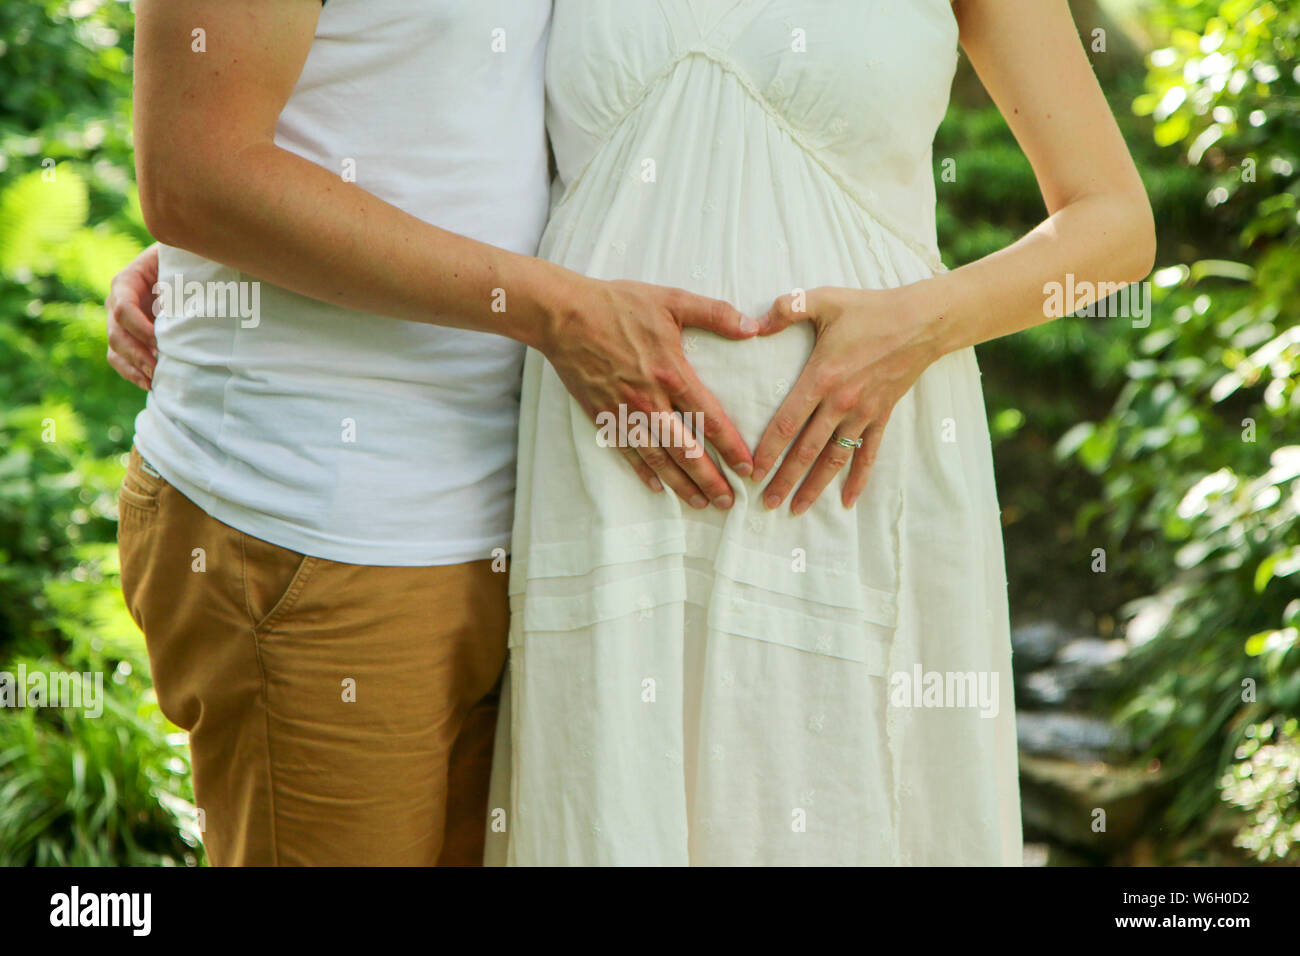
<point>749,378</point>
<point>756,245</point>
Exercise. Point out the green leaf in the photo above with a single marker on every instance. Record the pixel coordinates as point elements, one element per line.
<point>37,213</point>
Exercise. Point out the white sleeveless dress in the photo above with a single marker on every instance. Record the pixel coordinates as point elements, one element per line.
<point>739,688</point>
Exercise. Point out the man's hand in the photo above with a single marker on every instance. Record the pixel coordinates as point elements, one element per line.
<point>871,348</point>
<point>619,343</point>
<point>132,348</point>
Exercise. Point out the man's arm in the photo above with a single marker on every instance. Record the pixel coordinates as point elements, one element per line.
<point>212,181</point>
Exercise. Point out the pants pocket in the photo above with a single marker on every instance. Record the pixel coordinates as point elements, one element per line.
<point>141,486</point>
<point>273,580</point>
<point>137,514</point>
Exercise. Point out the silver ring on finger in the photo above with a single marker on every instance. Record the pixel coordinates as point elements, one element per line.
<point>846,442</point>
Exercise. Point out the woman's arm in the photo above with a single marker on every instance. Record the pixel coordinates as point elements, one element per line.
<point>873,345</point>
<point>1099,226</point>
<point>213,181</point>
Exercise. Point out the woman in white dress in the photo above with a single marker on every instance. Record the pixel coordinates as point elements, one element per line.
<point>775,685</point>
<point>816,668</point>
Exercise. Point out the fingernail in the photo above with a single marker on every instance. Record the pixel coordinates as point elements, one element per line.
<point>656,484</point>
<point>758,475</point>
<point>772,501</point>
<point>799,507</point>
<point>744,468</point>
<point>722,502</point>
<point>748,324</point>
<point>699,501</point>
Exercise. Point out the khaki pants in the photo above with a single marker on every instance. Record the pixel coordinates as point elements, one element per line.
<point>338,714</point>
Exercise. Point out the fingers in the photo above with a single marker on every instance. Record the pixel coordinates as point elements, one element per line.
<point>833,457</point>
<point>132,291</point>
<point>127,371</point>
<point>134,322</point>
<point>642,470</point>
<point>132,343</point>
<point>713,315</point>
<point>131,351</point>
<point>863,459</point>
<point>661,463</point>
<point>788,421</point>
<point>132,317</point>
<point>704,413</point>
<point>679,447</point>
<point>139,278</point>
<point>666,469</point>
<point>783,313</point>
<point>148,263</point>
<point>799,305</point>
<point>801,457</point>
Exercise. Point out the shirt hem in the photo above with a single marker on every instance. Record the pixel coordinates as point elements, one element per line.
<point>297,539</point>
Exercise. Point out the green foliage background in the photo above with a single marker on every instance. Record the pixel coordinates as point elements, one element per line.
<point>73,790</point>
<point>1175,447</point>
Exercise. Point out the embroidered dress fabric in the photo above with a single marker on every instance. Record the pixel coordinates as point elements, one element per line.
<point>739,688</point>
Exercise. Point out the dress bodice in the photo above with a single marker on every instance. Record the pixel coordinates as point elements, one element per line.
<point>859,87</point>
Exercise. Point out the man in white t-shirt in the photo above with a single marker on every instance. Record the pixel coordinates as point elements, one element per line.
<point>317,510</point>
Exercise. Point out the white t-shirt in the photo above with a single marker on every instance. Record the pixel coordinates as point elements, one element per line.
<point>349,436</point>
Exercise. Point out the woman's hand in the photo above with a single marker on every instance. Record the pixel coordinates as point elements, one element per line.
<point>871,348</point>
<point>132,347</point>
